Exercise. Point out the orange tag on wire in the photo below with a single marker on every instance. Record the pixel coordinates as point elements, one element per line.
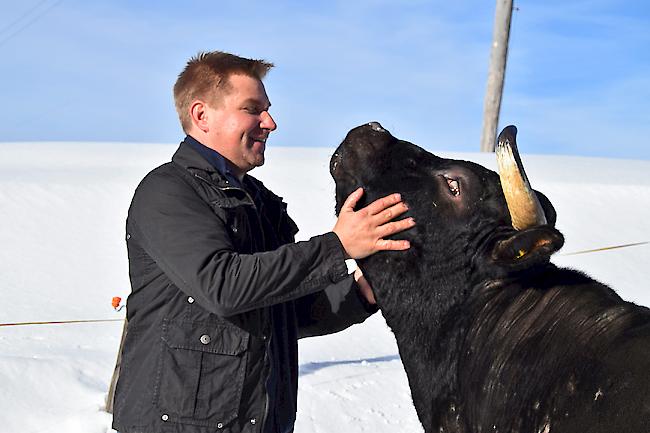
<point>116,302</point>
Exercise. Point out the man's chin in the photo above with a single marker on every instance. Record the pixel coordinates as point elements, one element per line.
<point>258,161</point>
<point>259,155</point>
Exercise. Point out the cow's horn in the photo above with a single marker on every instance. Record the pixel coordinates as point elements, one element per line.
<point>525,209</point>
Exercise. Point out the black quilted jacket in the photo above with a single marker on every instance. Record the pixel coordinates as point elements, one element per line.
<point>221,294</point>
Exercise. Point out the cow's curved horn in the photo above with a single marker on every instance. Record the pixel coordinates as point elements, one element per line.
<point>525,209</point>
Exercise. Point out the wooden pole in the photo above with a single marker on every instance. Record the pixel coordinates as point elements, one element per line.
<point>116,372</point>
<point>496,74</point>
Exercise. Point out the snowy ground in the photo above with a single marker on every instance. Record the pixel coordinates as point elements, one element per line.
<point>62,211</point>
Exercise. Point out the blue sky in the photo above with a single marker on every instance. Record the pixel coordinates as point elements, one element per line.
<point>578,78</point>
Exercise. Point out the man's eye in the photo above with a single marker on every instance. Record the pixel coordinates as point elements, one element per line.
<point>252,110</point>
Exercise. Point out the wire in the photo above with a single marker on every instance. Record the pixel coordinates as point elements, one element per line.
<point>28,23</point>
<point>23,16</point>
<point>614,247</point>
<point>61,321</point>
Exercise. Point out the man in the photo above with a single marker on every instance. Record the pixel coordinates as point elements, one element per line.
<point>220,290</point>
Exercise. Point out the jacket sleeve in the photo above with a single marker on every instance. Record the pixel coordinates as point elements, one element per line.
<point>333,309</point>
<point>191,244</point>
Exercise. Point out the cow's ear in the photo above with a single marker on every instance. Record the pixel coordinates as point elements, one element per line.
<point>527,248</point>
<point>549,210</point>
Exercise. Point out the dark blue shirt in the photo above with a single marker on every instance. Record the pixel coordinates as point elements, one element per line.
<point>215,159</point>
<point>222,165</point>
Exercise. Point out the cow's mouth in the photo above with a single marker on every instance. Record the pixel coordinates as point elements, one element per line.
<point>334,163</point>
<point>453,185</point>
<point>338,171</point>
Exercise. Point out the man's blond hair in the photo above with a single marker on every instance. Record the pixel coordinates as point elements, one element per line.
<point>206,76</point>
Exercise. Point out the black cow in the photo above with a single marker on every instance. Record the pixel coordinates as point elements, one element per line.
<point>493,337</point>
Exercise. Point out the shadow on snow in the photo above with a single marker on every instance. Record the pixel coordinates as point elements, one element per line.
<point>312,367</point>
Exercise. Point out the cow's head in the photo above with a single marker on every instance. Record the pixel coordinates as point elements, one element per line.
<point>464,229</point>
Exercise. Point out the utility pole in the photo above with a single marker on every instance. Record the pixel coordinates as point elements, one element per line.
<point>496,74</point>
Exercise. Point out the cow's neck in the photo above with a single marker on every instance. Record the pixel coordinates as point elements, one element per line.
<point>429,336</point>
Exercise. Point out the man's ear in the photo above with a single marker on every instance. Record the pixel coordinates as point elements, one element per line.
<point>198,115</point>
<point>526,248</point>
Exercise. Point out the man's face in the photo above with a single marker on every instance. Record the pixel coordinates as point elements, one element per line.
<point>240,123</point>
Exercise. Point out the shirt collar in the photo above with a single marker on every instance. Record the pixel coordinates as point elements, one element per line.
<point>215,159</point>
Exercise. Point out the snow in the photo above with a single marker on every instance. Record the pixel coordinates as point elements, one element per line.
<point>63,257</point>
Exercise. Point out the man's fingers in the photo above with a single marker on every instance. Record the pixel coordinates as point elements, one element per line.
<point>352,200</point>
<point>385,202</point>
<point>392,212</point>
<point>390,245</point>
<point>363,232</point>
<point>396,226</point>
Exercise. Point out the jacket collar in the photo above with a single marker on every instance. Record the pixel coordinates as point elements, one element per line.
<point>190,159</point>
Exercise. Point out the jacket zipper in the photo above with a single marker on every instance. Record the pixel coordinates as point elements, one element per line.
<point>266,391</point>
<point>266,352</point>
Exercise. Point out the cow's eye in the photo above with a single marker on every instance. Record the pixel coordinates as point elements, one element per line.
<point>454,186</point>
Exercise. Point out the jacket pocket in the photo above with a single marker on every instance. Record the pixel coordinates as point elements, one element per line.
<point>201,372</point>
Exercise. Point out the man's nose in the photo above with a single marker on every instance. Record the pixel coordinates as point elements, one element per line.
<point>268,122</point>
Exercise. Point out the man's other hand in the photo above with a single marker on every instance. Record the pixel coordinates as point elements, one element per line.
<point>362,232</point>
<point>364,287</point>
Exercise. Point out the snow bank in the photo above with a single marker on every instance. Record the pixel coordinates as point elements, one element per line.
<point>62,209</point>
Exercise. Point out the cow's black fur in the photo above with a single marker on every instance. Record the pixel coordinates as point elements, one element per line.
<point>493,337</point>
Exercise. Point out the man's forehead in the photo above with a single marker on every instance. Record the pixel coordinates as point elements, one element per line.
<point>248,89</point>
<point>257,101</point>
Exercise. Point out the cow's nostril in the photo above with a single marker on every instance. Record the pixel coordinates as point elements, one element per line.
<point>376,126</point>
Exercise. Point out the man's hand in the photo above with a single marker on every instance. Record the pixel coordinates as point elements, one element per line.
<point>362,232</point>
<point>364,287</point>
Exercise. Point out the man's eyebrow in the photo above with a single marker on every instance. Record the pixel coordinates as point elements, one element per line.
<point>257,102</point>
